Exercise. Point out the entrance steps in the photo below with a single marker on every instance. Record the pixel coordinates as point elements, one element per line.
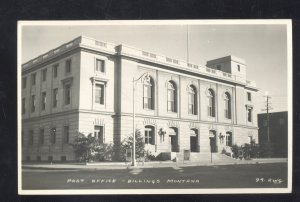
<point>205,158</point>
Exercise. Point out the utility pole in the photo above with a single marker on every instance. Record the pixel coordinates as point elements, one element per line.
<point>268,108</point>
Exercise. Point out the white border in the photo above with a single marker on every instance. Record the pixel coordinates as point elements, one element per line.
<point>286,22</point>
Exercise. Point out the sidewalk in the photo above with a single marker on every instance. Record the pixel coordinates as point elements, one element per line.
<point>154,164</point>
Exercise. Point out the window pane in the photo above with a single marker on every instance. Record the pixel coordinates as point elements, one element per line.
<point>44,74</point>
<point>100,65</point>
<point>55,71</point>
<point>43,100</point>
<point>33,103</point>
<point>67,94</point>
<point>23,106</point>
<point>66,134</point>
<point>171,95</point>
<point>24,82</point>
<point>68,66</point>
<point>99,94</point>
<point>99,133</point>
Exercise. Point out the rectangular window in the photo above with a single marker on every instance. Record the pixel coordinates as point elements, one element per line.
<point>99,133</point>
<point>249,112</point>
<point>44,74</point>
<point>239,67</point>
<point>23,105</point>
<point>68,66</point>
<point>33,79</point>
<point>44,97</point>
<point>30,138</point>
<point>249,96</point>
<point>147,97</point>
<point>66,135</point>
<point>53,135</point>
<point>32,103</point>
<point>55,97</point>
<point>99,94</point>
<point>149,139</point>
<point>55,68</point>
<point>41,136</point>
<point>67,94</point>
<point>100,67</point>
<point>24,79</point>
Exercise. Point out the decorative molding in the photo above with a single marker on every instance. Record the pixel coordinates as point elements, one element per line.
<point>194,125</point>
<point>212,127</point>
<point>228,128</point>
<point>149,122</point>
<point>99,79</point>
<point>67,80</point>
<point>173,124</point>
<point>207,91</point>
<point>226,91</point>
<point>99,122</point>
<point>249,106</point>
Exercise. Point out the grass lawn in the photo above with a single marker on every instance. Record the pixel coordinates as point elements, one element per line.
<point>270,175</point>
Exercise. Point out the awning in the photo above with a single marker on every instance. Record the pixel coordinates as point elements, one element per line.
<point>172,131</point>
<point>193,133</point>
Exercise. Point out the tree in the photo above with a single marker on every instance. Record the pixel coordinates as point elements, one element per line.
<point>128,142</point>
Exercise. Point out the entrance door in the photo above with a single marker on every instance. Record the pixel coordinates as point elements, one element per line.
<point>173,143</point>
<point>193,143</point>
<point>173,139</point>
<point>213,141</point>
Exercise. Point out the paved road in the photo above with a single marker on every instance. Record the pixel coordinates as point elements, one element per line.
<point>219,176</point>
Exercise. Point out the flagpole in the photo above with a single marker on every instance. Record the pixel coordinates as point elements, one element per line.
<point>187,42</point>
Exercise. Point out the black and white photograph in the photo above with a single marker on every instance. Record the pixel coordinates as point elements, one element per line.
<point>155,107</point>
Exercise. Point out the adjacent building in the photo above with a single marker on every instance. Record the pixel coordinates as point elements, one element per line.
<point>86,86</point>
<point>278,131</point>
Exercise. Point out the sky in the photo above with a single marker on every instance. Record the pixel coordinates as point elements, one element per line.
<point>262,46</point>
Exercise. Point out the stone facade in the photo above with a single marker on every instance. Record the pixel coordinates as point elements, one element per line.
<point>85,65</point>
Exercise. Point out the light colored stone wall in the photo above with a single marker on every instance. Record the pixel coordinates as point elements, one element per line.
<point>47,149</point>
<point>87,72</point>
<point>50,84</point>
<point>88,121</point>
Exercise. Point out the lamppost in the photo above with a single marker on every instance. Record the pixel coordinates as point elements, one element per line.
<point>144,77</point>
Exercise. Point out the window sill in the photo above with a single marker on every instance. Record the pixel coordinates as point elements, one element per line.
<point>170,112</point>
<point>193,115</point>
<point>98,106</point>
<point>146,109</point>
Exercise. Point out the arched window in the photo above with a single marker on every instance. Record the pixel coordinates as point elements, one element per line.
<point>172,95</point>
<point>211,103</point>
<point>227,100</point>
<point>149,135</point>
<point>148,97</point>
<point>192,96</point>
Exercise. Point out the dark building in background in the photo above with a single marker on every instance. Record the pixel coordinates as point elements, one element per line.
<point>278,131</point>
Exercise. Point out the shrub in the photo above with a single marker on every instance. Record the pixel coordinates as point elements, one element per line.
<point>149,156</point>
<point>235,151</point>
<point>88,148</point>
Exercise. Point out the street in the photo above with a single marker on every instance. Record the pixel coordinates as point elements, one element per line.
<point>268,175</point>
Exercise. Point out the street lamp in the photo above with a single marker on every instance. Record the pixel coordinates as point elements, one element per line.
<point>144,77</point>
